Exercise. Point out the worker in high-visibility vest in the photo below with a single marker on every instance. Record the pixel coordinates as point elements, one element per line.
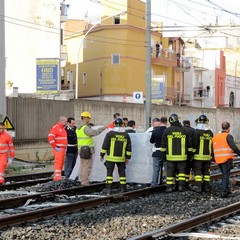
<point>57,137</point>
<point>202,155</point>
<point>7,152</point>
<point>85,136</point>
<point>175,146</point>
<point>224,149</point>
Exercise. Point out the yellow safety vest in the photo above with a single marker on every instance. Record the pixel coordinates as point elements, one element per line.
<point>83,139</point>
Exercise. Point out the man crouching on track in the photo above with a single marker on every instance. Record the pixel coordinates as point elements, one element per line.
<point>117,147</point>
<point>57,137</point>
<point>6,145</point>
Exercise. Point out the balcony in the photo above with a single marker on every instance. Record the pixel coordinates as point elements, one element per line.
<point>167,58</point>
<point>183,65</point>
<point>199,93</point>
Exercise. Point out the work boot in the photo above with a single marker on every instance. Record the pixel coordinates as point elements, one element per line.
<point>197,188</point>
<point>176,185</point>
<point>123,188</point>
<point>108,189</point>
<point>169,188</point>
<point>206,187</point>
<point>224,195</point>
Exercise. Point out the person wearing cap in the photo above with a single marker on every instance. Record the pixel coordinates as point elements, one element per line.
<point>115,116</point>
<point>85,143</point>
<point>202,154</point>
<point>159,125</point>
<point>57,137</point>
<point>175,146</point>
<point>117,150</point>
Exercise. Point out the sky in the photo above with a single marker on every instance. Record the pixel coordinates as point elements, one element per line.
<point>183,18</point>
<point>181,11</point>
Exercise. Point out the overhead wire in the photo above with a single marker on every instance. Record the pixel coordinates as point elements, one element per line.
<point>49,29</point>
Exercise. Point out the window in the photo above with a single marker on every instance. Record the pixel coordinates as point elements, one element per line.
<point>117,20</point>
<point>115,58</point>
<point>84,79</point>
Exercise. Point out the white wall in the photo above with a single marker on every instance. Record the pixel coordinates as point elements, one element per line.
<point>32,31</point>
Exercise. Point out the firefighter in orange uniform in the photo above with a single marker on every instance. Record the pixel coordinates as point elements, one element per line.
<point>6,151</point>
<point>57,137</point>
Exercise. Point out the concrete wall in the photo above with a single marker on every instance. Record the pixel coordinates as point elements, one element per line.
<point>33,118</point>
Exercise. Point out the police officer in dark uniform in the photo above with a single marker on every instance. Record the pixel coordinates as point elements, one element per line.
<point>72,149</point>
<point>203,154</point>
<point>117,148</point>
<point>175,145</point>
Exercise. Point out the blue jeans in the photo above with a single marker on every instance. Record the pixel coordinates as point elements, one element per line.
<point>225,170</point>
<point>69,163</point>
<point>157,171</point>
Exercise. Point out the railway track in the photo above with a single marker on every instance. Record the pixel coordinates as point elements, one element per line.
<point>97,199</point>
<point>175,230</point>
<point>69,207</point>
<point>15,182</point>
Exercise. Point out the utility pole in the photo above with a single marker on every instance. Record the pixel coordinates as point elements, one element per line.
<point>148,100</point>
<point>3,110</point>
<point>235,85</point>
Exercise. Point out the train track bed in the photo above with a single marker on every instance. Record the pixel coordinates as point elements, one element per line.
<point>123,219</point>
<point>22,181</point>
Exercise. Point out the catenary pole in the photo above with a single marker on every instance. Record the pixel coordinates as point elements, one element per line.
<point>235,85</point>
<point>3,110</point>
<point>148,100</point>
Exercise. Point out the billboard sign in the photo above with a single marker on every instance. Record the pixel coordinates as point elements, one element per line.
<point>158,89</point>
<point>47,70</point>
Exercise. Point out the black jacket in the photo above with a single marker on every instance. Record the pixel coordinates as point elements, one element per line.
<point>117,147</point>
<point>72,139</point>
<point>156,138</point>
<point>202,145</point>
<point>232,144</point>
<point>176,143</point>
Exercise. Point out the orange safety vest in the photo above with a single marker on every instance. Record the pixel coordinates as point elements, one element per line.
<point>57,136</point>
<point>222,151</point>
<point>6,144</point>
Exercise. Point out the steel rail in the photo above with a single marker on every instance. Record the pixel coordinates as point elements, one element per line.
<point>47,212</point>
<point>73,207</point>
<point>15,184</point>
<point>42,196</point>
<point>190,223</point>
<point>28,176</point>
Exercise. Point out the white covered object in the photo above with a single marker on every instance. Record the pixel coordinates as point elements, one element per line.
<point>138,169</point>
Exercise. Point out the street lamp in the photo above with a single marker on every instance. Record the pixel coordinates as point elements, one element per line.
<point>80,46</point>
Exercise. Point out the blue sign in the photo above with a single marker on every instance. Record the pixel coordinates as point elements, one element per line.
<point>138,96</point>
<point>158,89</point>
<point>47,75</point>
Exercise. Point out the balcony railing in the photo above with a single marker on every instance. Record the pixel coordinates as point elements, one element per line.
<point>199,92</point>
<point>195,62</point>
<point>165,53</point>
